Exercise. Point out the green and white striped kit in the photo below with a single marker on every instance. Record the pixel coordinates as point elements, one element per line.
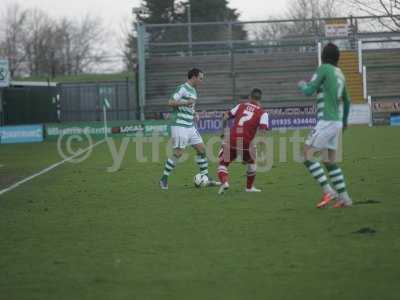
<point>184,115</point>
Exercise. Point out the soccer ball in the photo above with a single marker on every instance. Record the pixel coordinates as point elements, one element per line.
<point>200,180</point>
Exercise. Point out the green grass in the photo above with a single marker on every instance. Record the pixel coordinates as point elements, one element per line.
<point>80,232</point>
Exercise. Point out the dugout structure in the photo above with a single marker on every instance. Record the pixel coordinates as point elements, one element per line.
<point>30,103</point>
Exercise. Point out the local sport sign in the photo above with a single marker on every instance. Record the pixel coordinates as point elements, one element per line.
<point>96,129</point>
<point>4,73</point>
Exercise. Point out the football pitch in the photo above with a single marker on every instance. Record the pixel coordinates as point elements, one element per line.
<point>82,232</point>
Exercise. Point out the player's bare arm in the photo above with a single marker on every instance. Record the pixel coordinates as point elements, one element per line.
<point>225,117</point>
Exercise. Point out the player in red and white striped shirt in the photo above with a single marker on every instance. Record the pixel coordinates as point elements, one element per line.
<point>248,118</point>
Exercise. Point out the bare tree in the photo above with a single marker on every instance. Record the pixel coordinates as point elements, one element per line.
<point>270,31</point>
<point>37,44</point>
<point>75,46</point>
<point>312,9</point>
<point>63,37</point>
<point>66,47</point>
<point>374,8</point>
<point>13,28</point>
<point>87,44</point>
<point>301,12</point>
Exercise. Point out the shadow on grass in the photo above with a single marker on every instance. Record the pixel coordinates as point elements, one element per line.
<point>368,201</point>
<point>365,230</point>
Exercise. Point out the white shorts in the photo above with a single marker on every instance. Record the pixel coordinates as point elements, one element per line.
<point>185,136</point>
<point>325,135</point>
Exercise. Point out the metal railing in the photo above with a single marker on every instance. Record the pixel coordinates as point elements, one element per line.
<point>258,37</point>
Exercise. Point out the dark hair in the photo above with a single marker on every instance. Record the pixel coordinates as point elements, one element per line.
<point>194,73</point>
<point>330,54</point>
<point>256,94</point>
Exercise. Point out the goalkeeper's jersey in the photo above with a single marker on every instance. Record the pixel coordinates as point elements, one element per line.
<point>330,84</point>
<point>183,115</point>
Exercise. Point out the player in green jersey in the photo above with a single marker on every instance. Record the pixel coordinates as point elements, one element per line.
<point>183,130</point>
<point>329,84</point>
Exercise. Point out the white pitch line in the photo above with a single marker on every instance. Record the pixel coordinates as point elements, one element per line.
<point>17,184</point>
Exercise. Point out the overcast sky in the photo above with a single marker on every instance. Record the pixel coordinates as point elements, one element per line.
<point>116,14</point>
